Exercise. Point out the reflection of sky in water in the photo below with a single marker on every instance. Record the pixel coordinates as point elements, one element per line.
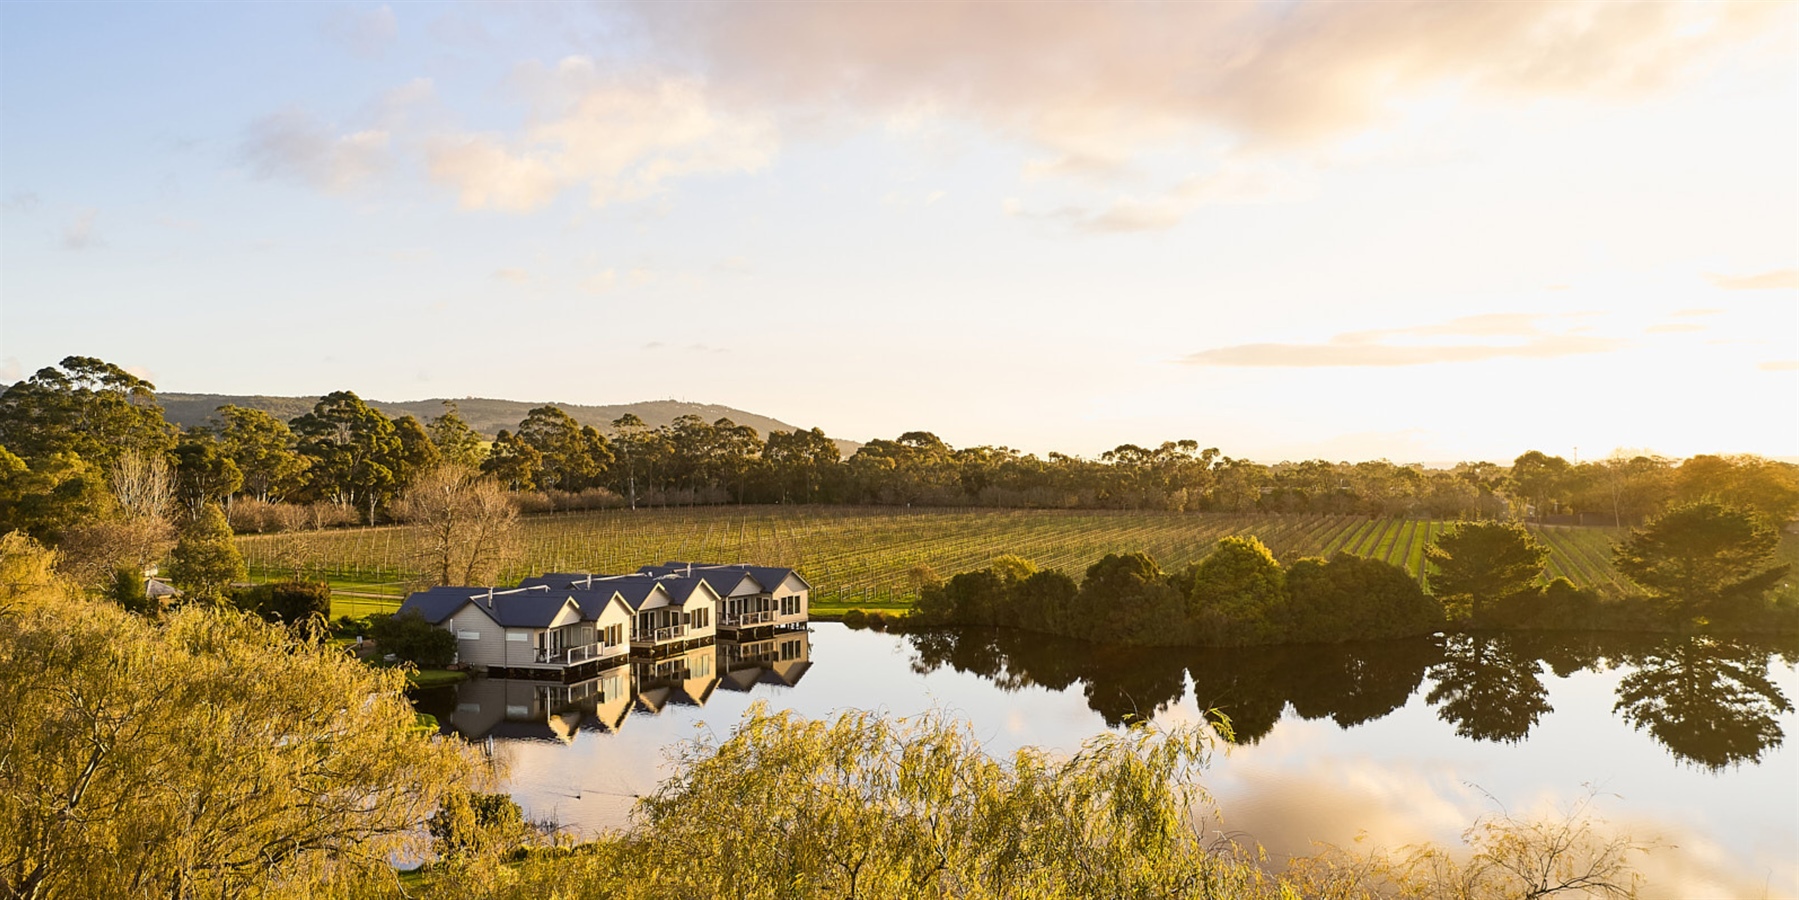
<point>1401,778</point>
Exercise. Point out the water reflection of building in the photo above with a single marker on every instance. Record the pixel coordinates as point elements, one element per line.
<point>527,709</point>
<point>545,711</point>
<point>780,659</point>
<point>686,679</point>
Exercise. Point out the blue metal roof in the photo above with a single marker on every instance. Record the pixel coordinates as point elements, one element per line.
<point>439,603</point>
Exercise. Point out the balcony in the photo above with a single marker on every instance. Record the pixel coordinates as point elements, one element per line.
<point>661,635</point>
<point>586,653</point>
<point>749,619</point>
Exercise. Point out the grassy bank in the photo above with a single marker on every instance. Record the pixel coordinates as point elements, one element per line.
<point>430,678</point>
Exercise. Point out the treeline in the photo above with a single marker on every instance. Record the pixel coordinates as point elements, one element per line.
<point>1238,595</point>
<point>1701,565</point>
<point>64,431</point>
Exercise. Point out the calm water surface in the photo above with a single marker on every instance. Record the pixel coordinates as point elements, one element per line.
<point>1685,740</point>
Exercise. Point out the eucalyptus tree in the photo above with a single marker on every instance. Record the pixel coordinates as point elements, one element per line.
<point>356,452</point>
<point>457,443</point>
<point>1769,487</point>
<point>574,457</point>
<point>87,407</point>
<point>263,448</point>
<point>204,472</point>
<point>513,462</point>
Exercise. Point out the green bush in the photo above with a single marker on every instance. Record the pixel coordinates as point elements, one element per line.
<point>129,590</point>
<point>412,639</point>
<point>1348,598</point>
<point>294,601</point>
<point>475,823</point>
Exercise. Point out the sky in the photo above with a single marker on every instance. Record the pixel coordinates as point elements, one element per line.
<point>1408,230</point>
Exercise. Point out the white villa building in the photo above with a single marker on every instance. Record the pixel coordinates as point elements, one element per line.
<point>569,623</point>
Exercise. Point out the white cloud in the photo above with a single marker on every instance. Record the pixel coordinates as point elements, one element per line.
<point>1401,347</point>
<point>80,234</point>
<point>1235,181</point>
<point>600,283</point>
<point>294,145</point>
<point>1098,84</point>
<point>21,201</point>
<point>366,34</point>
<point>1776,280</point>
<point>622,139</point>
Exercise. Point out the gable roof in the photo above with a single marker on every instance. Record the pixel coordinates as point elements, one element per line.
<point>593,603</point>
<point>439,603</point>
<point>536,609</point>
<point>682,589</point>
<point>770,577</point>
<point>636,592</point>
<point>516,608</point>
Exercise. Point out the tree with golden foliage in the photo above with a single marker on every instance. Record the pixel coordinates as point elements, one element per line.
<point>206,755</point>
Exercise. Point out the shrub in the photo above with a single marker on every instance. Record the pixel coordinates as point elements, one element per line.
<point>1349,598</point>
<point>294,601</point>
<point>412,639</point>
<point>470,823</point>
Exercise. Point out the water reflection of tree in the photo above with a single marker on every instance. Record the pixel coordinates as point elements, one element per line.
<point>1488,686</point>
<point>1708,700</point>
<point>1122,684</point>
<point>1356,683</point>
<point>1250,686</point>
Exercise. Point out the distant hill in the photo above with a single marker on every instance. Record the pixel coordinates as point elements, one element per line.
<point>483,415</point>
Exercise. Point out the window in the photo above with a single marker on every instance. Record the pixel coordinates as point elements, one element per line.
<point>518,637</point>
<point>468,635</point>
<point>701,617</point>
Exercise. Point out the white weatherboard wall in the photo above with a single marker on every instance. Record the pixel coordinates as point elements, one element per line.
<point>616,612</point>
<point>790,591</point>
<point>480,641</point>
<point>701,599</point>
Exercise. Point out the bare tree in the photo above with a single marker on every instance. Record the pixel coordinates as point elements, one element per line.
<point>467,525</point>
<point>144,485</point>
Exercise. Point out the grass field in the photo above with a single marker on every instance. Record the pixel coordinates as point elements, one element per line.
<point>862,557</point>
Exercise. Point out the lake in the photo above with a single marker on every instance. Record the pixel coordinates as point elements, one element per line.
<point>1683,740</point>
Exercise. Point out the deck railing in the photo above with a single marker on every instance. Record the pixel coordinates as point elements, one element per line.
<point>665,633</point>
<point>745,620</point>
<point>591,652</point>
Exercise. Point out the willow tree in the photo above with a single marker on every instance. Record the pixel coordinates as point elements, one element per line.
<point>207,755</point>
